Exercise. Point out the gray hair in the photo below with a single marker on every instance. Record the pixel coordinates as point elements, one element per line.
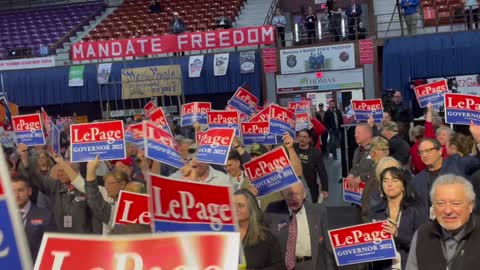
<point>450,179</point>
<point>446,129</point>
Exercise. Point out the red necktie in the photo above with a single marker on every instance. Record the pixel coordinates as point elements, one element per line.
<point>291,242</point>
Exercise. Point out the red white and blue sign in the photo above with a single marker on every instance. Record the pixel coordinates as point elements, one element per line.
<point>54,138</point>
<point>302,106</point>
<point>14,253</point>
<point>214,145</point>
<point>243,101</point>
<point>161,146</point>
<point>302,121</point>
<point>353,195</point>
<point>262,116</point>
<point>271,172</point>
<point>28,129</point>
<point>362,243</point>
<point>134,134</point>
<point>149,108</point>
<point>362,109</point>
<point>257,132</point>
<point>282,121</point>
<point>106,139</point>
<point>224,119</point>
<point>195,112</point>
<point>46,121</point>
<point>159,119</point>
<point>190,206</point>
<point>461,109</point>
<point>431,93</point>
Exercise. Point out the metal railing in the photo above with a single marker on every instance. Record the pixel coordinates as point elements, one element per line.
<point>271,10</point>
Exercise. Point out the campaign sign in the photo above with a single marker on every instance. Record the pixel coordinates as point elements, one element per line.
<point>461,109</point>
<point>431,93</point>
<point>214,145</point>
<point>244,101</point>
<point>353,195</point>
<point>54,138</point>
<point>257,132</point>
<point>243,117</point>
<point>46,121</point>
<point>362,109</point>
<point>302,121</point>
<point>14,252</point>
<point>281,121</point>
<point>28,129</point>
<point>105,139</point>
<point>132,208</point>
<point>190,206</point>
<point>362,243</point>
<point>262,116</point>
<point>134,134</point>
<point>302,106</point>
<point>219,251</point>
<point>161,146</point>
<point>149,108</point>
<point>159,119</point>
<point>271,172</point>
<point>195,112</point>
<point>224,119</point>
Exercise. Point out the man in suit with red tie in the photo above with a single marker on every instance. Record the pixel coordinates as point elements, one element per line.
<point>35,220</point>
<point>301,228</point>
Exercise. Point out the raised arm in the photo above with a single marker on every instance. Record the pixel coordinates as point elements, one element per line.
<point>100,208</point>
<point>294,159</point>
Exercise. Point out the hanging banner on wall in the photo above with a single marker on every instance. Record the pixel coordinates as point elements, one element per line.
<point>75,76</point>
<point>195,65</point>
<point>147,82</point>
<point>333,57</point>
<point>269,60</point>
<point>220,64</point>
<point>247,62</point>
<point>27,63</point>
<point>103,72</point>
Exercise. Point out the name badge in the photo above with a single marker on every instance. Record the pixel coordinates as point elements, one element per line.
<point>67,221</point>
<point>282,225</point>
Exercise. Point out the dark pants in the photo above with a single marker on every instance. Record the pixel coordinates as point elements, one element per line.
<point>353,27</point>
<point>324,138</point>
<point>311,35</point>
<point>334,141</point>
<point>335,21</point>
<point>472,17</point>
<point>281,35</point>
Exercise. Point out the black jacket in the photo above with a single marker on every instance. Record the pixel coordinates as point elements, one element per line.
<point>401,113</point>
<point>37,222</point>
<point>329,119</point>
<point>399,149</point>
<point>265,255</point>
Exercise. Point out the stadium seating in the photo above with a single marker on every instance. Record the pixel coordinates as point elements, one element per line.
<point>443,12</point>
<point>32,29</point>
<point>133,18</point>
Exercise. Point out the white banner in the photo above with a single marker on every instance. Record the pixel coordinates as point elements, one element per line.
<point>333,57</point>
<point>38,62</point>
<point>220,64</point>
<point>466,84</point>
<point>195,66</point>
<point>103,73</point>
<point>331,80</point>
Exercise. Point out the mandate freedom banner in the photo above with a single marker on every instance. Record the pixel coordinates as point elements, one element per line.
<point>28,129</point>
<point>132,208</point>
<point>219,251</point>
<point>214,145</point>
<point>461,109</point>
<point>180,205</point>
<point>351,194</point>
<point>185,42</point>
<point>195,112</point>
<point>243,101</point>
<point>257,132</point>
<point>362,243</point>
<point>105,139</point>
<point>333,57</point>
<point>75,76</point>
<point>431,93</point>
<point>161,146</point>
<point>147,82</point>
<point>362,109</point>
<point>331,80</point>
<point>271,172</point>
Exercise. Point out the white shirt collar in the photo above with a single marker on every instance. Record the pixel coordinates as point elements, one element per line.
<point>26,208</point>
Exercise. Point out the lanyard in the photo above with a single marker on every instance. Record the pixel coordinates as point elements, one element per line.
<point>458,250</point>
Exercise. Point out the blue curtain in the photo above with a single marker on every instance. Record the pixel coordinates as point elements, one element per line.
<point>429,56</point>
<point>49,86</point>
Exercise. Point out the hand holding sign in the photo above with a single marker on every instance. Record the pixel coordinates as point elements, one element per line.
<point>92,166</point>
<point>390,227</point>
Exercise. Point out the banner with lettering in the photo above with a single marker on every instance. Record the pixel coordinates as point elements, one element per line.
<point>271,172</point>
<point>302,121</point>
<point>281,121</point>
<point>431,93</point>
<point>362,243</point>
<point>55,138</point>
<point>219,251</point>
<point>103,73</point>
<point>262,116</point>
<point>195,112</point>
<point>362,109</point>
<point>214,145</point>
<point>220,64</point>
<point>462,109</point>
<point>161,146</point>
<point>147,82</point>
<point>149,108</point>
<point>224,119</point>
<point>75,75</point>
<point>106,139</point>
<point>302,106</point>
<point>257,132</point>
<point>243,101</point>
<point>247,62</point>
<point>195,66</point>
<point>353,195</point>
<point>159,119</point>
<point>191,206</point>
<point>28,129</point>
<point>134,134</point>
<point>14,252</point>
<point>132,208</point>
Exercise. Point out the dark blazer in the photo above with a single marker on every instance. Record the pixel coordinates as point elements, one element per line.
<point>265,255</point>
<point>37,222</point>
<point>399,149</point>
<point>277,215</point>
<point>329,119</point>
<point>411,219</point>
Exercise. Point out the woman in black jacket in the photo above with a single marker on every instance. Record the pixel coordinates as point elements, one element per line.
<point>401,213</point>
<point>261,248</point>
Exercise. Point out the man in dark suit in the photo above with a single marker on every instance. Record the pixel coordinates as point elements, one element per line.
<point>301,228</point>
<point>353,12</point>
<point>35,220</point>
<point>333,120</point>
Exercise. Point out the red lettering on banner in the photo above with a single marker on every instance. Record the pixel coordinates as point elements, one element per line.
<point>431,88</point>
<point>372,232</point>
<point>26,122</point>
<point>223,117</point>
<point>96,132</point>
<point>367,105</point>
<point>159,135</point>
<point>463,102</point>
<point>272,161</point>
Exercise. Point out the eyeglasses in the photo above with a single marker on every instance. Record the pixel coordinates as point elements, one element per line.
<point>426,151</point>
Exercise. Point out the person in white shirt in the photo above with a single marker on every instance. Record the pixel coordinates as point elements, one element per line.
<point>471,12</point>
<point>279,22</point>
